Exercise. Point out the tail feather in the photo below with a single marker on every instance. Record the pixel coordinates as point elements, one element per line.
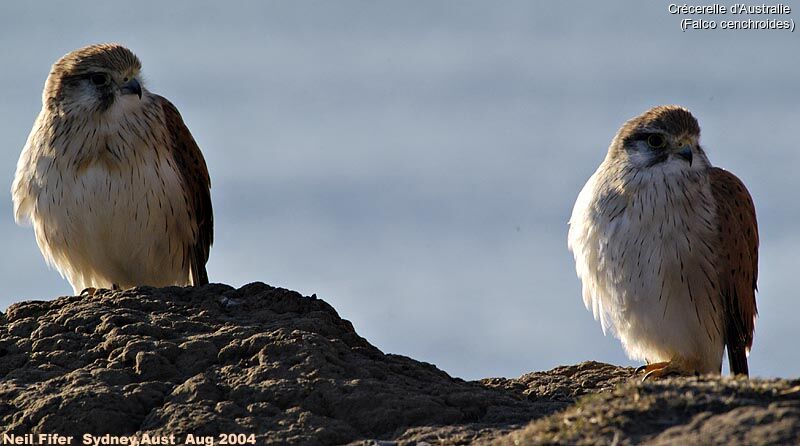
<point>737,360</point>
<point>198,271</point>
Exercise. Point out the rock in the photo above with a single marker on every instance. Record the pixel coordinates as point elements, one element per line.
<point>696,410</point>
<point>286,368</point>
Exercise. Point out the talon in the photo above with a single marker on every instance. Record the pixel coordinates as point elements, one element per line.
<point>88,292</point>
<point>660,370</point>
<point>655,374</point>
<point>648,368</point>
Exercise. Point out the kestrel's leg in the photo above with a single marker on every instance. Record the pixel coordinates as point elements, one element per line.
<point>91,291</point>
<point>659,370</point>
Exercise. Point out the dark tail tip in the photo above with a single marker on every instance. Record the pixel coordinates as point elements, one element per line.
<point>199,274</point>
<point>737,359</point>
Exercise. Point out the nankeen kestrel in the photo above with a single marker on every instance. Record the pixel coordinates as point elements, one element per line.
<point>111,179</point>
<point>667,248</point>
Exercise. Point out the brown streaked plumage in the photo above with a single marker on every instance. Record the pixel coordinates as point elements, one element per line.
<point>112,180</point>
<point>667,248</point>
<point>737,265</point>
<point>197,183</point>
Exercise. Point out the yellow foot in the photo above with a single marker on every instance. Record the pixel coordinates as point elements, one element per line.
<point>91,291</point>
<point>659,370</point>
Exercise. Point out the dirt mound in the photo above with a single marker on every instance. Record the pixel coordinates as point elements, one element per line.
<point>266,361</point>
<point>703,410</point>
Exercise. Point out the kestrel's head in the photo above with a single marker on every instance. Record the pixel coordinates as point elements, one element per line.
<point>664,137</point>
<point>93,78</point>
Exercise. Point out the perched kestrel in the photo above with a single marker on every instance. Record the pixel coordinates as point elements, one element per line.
<point>112,180</point>
<point>667,248</point>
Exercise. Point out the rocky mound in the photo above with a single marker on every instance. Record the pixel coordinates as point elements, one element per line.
<point>286,368</point>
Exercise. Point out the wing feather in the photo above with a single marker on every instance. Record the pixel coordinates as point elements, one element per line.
<point>737,264</point>
<point>197,184</point>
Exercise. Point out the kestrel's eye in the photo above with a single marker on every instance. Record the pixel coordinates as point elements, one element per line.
<point>99,79</point>
<point>656,141</point>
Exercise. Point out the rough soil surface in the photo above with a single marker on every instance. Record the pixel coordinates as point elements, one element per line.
<point>288,369</point>
<point>681,411</point>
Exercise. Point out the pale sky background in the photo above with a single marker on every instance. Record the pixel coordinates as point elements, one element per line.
<point>415,163</point>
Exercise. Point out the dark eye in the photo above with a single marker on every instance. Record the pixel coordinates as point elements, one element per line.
<point>656,141</point>
<point>99,79</point>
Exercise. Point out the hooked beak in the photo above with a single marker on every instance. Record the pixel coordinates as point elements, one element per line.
<point>132,87</point>
<point>686,153</point>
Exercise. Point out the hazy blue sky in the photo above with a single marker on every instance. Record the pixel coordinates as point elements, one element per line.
<point>415,163</point>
